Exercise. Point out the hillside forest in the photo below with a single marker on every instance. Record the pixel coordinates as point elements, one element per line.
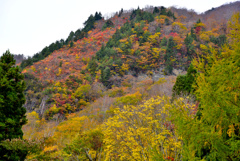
<point>146,84</point>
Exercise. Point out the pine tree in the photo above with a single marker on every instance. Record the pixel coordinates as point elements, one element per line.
<point>184,83</point>
<point>12,112</point>
<point>105,75</point>
<point>163,42</point>
<point>156,10</point>
<point>190,47</point>
<point>169,55</point>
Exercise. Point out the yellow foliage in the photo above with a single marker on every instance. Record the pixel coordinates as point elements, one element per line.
<point>132,99</point>
<point>66,130</point>
<point>54,109</point>
<point>200,25</point>
<point>77,57</point>
<point>134,131</point>
<point>33,68</point>
<point>163,17</point>
<point>156,52</point>
<point>204,48</point>
<point>182,26</point>
<point>124,67</point>
<point>58,84</point>
<point>234,26</point>
<point>89,32</point>
<point>119,50</point>
<point>204,37</point>
<point>123,40</point>
<point>50,149</point>
<point>34,114</point>
<point>153,38</point>
<point>59,71</point>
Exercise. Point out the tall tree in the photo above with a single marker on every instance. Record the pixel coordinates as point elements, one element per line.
<point>188,41</point>
<point>12,112</point>
<point>169,55</point>
<point>215,134</point>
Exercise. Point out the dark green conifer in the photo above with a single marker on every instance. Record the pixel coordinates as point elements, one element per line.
<point>12,112</point>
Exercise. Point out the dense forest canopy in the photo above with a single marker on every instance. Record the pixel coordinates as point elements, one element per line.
<point>146,84</point>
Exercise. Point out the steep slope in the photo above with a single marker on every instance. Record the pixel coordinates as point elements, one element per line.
<point>61,63</point>
<point>152,41</point>
<point>91,94</point>
<point>65,66</point>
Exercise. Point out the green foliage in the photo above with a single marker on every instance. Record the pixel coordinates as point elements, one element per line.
<point>139,15</point>
<point>143,132</point>
<point>215,135</point>
<point>171,14</point>
<point>82,92</point>
<point>163,42</point>
<point>17,149</point>
<point>105,75</point>
<point>12,112</point>
<point>43,54</point>
<point>221,40</point>
<point>163,11</point>
<point>120,13</point>
<point>89,24</point>
<point>71,44</point>
<point>105,52</point>
<point>190,47</point>
<point>193,34</point>
<point>70,38</point>
<point>184,83</point>
<point>156,10</point>
<point>92,66</point>
<point>107,24</point>
<point>84,143</point>
<point>170,52</point>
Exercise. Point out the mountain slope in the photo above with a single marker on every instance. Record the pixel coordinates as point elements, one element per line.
<point>152,41</point>
<point>111,89</point>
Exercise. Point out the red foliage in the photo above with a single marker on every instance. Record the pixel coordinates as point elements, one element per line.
<point>61,63</point>
<point>198,29</point>
<point>173,34</point>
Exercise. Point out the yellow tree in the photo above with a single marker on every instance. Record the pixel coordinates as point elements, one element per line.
<point>142,132</point>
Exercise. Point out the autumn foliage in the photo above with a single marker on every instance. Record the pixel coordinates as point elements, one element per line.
<point>108,95</point>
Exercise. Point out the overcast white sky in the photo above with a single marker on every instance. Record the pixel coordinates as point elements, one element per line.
<point>27,26</point>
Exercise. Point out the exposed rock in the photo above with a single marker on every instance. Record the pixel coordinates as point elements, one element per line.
<point>43,105</point>
<point>178,72</point>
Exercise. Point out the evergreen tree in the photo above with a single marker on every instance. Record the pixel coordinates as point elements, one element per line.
<point>98,16</point>
<point>190,47</point>
<point>193,34</point>
<point>184,83</point>
<point>120,13</point>
<point>12,112</point>
<point>92,66</point>
<point>156,10</point>
<point>105,75</point>
<point>170,49</point>
<point>107,24</point>
<point>163,42</point>
<point>169,55</point>
<point>163,11</point>
<point>89,24</point>
<point>71,44</point>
